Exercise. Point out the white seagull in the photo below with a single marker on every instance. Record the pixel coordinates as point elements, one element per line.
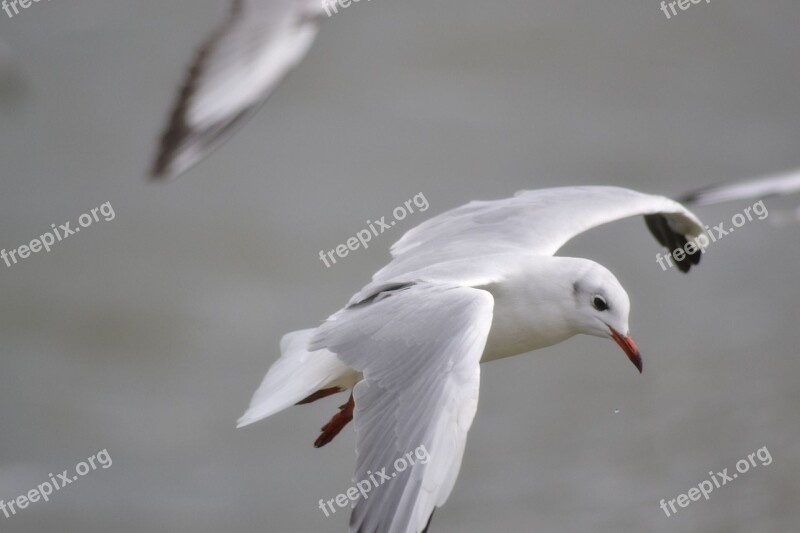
<point>474,284</point>
<point>233,73</point>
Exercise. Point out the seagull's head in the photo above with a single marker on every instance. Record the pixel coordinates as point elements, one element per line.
<point>603,307</point>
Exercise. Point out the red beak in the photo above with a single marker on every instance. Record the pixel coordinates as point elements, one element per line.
<point>629,347</point>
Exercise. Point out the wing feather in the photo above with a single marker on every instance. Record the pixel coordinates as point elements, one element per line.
<point>419,349</point>
<point>755,189</point>
<point>466,241</point>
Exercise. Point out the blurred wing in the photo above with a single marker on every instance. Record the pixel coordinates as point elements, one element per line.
<point>233,74</point>
<point>755,189</point>
<point>535,222</point>
<point>419,348</point>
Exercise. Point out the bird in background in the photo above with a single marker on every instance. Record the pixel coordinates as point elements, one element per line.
<point>234,71</point>
<point>471,285</point>
<point>782,184</point>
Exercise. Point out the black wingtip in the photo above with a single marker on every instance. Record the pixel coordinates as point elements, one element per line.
<point>177,131</point>
<point>666,236</point>
<point>428,525</point>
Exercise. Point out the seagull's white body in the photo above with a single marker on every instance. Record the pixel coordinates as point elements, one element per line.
<point>471,285</point>
<point>233,73</point>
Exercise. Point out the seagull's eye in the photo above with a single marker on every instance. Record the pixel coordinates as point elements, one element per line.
<point>599,303</point>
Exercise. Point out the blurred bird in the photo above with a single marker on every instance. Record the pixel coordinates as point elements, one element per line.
<point>232,74</point>
<point>782,184</point>
<point>757,188</point>
<point>474,284</point>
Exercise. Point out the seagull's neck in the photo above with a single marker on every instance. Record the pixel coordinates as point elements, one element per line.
<point>533,307</point>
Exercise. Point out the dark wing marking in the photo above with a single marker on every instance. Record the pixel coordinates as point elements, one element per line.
<point>178,133</point>
<point>666,236</point>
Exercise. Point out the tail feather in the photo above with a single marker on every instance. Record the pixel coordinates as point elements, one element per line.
<point>295,376</point>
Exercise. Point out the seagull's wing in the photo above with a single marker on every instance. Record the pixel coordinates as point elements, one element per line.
<point>535,222</point>
<point>419,348</point>
<point>755,189</point>
<point>233,73</point>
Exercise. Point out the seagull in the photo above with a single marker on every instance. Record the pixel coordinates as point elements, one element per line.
<point>471,285</point>
<point>232,74</point>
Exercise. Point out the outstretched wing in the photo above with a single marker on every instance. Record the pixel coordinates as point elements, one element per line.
<point>233,73</point>
<point>778,185</point>
<point>419,348</point>
<point>534,222</point>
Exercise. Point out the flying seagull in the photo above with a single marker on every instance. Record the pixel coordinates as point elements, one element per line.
<point>474,284</point>
<point>232,74</point>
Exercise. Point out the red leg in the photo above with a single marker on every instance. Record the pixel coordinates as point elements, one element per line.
<point>322,393</point>
<point>337,423</point>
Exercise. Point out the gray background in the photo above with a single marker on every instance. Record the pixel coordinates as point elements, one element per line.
<point>146,335</point>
